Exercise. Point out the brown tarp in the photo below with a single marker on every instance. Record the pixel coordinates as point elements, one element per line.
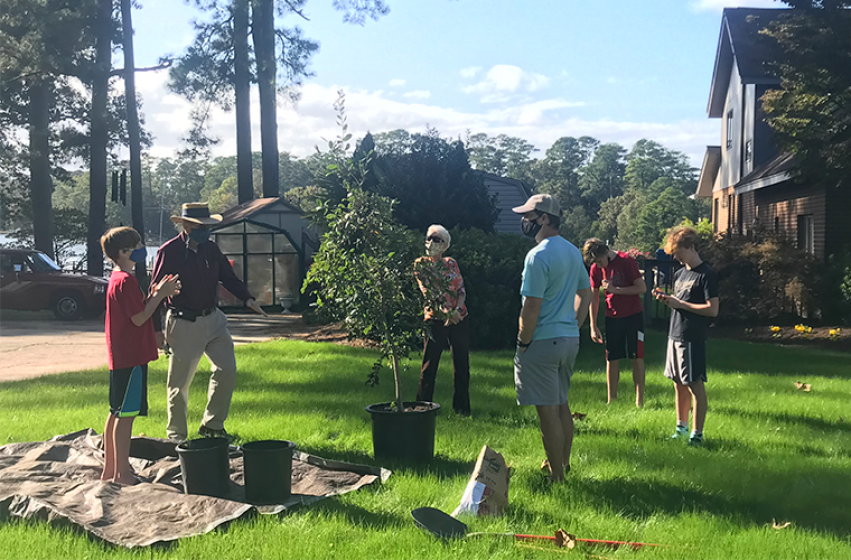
<point>59,479</point>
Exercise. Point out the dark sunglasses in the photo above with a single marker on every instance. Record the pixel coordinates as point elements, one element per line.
<point>434,239</point>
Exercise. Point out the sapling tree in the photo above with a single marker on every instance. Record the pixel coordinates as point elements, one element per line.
<point>365,272</point>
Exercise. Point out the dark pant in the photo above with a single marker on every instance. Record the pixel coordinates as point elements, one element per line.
<point>457,337</point>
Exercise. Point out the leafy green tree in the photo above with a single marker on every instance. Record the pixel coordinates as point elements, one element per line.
<point>433,183</point>
<point>365,276</point>
<point>649,160</point>
<point>503,155</point>
<point>42,43</point>
<point>811,112</point>
<point>576,226</point>
<point>559,171</point>
<point>395,142</point>
<point>602,179</point>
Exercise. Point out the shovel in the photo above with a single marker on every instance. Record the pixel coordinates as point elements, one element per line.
<point>445,526</point>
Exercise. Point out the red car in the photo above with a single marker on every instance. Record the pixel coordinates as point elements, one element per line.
<point>30,280</point>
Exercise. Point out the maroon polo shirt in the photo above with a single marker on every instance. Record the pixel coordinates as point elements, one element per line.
<point>200,272</point>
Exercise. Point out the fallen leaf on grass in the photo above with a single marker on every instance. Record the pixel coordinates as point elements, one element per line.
<point>805,387</point>
<point>579,415</point>
<point>565,539</point>
<point>778,526</point>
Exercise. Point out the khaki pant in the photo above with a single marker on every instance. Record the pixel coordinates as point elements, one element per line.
<point>188,341</point>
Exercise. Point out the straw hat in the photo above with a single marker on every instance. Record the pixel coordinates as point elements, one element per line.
<point>197,213</point>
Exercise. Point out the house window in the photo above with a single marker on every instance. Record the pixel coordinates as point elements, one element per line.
<point>740,222</point>
<point>749,151</point>
<point>806,234</point>
<point>776,224</point>
<point>729,129</point>
<point>715,217</point>
<point>730,203</point>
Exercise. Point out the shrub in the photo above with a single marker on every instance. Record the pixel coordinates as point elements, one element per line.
<point>763,278</point>
<point>492,266</point>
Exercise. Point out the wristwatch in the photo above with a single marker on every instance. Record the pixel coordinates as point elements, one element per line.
<point>521,344</point>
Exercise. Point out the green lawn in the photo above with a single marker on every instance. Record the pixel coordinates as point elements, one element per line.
<point>772,453</point>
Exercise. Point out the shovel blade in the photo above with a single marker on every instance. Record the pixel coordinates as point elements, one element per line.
<point>439,524</point>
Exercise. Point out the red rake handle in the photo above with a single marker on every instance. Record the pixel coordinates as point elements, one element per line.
<point>615,544</point>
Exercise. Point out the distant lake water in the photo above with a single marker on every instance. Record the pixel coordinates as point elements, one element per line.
<point>78,252</point>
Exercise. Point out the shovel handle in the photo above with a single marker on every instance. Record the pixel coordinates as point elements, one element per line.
<point>635,545</point>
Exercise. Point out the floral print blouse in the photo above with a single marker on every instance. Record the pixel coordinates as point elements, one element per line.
<point>449,300</point>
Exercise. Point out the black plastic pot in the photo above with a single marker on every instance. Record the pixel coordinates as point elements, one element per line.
<point>408,436</point>
<point>268,470</point>
<point>205,466</point>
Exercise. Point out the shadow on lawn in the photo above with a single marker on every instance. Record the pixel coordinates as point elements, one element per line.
<point>441,465</point>
<point>819,424</point>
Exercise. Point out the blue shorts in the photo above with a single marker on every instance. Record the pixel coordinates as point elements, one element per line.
<point>128,391</point>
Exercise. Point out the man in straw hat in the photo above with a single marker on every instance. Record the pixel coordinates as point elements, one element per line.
<point>556,292</point>
<point>194,326</point>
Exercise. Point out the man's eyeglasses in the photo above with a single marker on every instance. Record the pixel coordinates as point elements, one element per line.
<point>434,239</point>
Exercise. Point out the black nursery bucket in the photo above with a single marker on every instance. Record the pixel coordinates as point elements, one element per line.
<point>205,466</point>
<point>268,471</point>
<point>407,436</point>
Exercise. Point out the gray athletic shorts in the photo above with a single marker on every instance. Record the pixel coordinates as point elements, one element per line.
<point>686,362</point>
<point>542,373</point>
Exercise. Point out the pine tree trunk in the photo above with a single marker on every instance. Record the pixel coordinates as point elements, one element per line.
<point>242,106</point>
<point>263,33</point>
<point>41,185</point>
<point>134,133</point>
<point>99,139</point>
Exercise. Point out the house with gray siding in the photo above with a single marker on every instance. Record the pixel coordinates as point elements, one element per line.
<point>748,179</point>
<point>508,194</point>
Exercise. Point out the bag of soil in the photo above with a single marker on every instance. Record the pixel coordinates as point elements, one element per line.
<point>487,491</point>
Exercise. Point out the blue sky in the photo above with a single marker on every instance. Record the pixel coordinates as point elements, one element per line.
<point>618,70</point>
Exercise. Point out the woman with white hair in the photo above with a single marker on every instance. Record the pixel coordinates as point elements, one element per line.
<point>448,322</point>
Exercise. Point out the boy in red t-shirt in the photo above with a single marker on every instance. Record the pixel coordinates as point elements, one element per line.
<point>618,275</point>
<point>131,344</point>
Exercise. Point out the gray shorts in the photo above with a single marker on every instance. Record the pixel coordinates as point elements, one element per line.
<point>542,373</point>
<point>686,362</point>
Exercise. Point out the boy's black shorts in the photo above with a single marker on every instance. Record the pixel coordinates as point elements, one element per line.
<point>128,391</point>
<point>625,337</point>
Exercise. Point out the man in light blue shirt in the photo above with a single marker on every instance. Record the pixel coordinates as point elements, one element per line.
<point>556,293</point>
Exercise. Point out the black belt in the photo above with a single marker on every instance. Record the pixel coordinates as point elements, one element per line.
<point>190,315</point>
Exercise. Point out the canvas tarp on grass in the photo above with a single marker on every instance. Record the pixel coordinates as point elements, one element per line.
<point>59,479</point>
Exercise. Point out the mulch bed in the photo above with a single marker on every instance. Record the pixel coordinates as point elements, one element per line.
<point>787,336</point>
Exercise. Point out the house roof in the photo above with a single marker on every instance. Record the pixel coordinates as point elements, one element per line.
<point>248,209</point>
<point>709,171</point>
<point>741,43</point>
<point>509,193</point>
<point>775,170</point>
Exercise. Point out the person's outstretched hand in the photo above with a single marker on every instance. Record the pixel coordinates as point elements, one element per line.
<point>252,303</point>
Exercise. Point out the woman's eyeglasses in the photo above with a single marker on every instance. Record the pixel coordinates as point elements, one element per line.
<point>434,239</point>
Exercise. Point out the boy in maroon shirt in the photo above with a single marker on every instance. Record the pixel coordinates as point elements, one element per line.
<point>618,274</point>
<point>130,345</point>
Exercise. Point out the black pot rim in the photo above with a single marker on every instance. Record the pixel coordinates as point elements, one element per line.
<point>269,445</point>
<point>202,444</point>
<point>376,408</point>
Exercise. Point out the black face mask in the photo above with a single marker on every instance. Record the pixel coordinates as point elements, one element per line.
<point>530,228</point>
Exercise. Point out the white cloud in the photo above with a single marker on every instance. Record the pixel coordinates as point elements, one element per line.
<point>470,71</point>
<point>420,94</point>
<point>397,82</point>
<point>503,80</point>
<point>705,5</point>
<point>303,126</point>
